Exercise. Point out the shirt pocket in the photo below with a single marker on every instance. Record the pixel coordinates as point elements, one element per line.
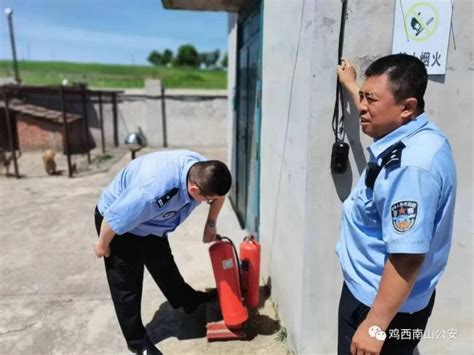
<point>365,211</point>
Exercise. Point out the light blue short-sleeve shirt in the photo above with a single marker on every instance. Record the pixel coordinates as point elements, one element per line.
<point>409,210</point>
<point>150,196</point>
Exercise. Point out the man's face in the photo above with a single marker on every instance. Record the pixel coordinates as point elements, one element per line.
<point>196,193</point>
<point>379,113</point>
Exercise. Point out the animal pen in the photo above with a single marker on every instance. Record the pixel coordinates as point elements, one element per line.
<point>39,117</point>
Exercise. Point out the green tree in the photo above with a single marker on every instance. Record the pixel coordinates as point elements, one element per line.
<point>214,57</point>
<point>209,59</point>
<point>202,58</point>
<point>167,56</point>
<point>224,61</point>
<point>155,58</point>
<point>187,56</point>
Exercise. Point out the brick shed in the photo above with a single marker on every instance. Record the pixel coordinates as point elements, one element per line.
<point>40,128</point>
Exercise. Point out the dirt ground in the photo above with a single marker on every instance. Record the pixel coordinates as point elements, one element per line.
<point>54,296</point>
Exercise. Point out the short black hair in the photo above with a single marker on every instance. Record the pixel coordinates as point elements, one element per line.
<point>407,76</point>
<point>212,176</point>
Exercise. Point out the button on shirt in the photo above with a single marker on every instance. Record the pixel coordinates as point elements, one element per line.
<point>409,210</point>
<point>150,195</point>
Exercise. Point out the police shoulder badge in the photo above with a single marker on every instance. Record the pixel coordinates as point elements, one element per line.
<point>404,215</point>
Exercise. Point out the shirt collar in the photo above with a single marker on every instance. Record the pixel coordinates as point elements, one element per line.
<point>184,183</point>
<point>382,144</point>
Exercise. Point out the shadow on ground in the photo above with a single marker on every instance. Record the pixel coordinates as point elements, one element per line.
<point>172,323</point>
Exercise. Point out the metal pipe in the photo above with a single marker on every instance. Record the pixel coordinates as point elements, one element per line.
<point>66,133</point>
<point>10,136</point>
<point>9,13</point>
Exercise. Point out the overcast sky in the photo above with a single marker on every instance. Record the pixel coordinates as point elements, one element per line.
<point>106,31</point>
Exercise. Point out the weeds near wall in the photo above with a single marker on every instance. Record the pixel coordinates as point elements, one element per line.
<point>282,333</point>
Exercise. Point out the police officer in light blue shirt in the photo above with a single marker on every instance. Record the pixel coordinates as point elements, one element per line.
<point>397,223</point>
<point>148,199</point>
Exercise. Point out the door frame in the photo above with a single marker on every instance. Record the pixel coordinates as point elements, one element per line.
<point>243,216</point>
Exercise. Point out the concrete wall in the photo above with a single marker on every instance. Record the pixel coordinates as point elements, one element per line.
<point>193,117</point>
<point>300,199</point>
<point>287,35</point>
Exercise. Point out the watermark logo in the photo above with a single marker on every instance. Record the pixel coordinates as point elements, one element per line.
<point>418,334</point>
<point>377,333</point>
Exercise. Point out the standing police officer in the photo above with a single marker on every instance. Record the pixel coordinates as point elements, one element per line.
<point>397,223</point>
<point>148,199</point>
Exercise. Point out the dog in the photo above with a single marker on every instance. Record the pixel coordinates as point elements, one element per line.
<point>6,158</point>
<point>49,163</point>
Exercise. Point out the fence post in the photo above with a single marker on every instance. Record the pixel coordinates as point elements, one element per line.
<point>163,115</point>
<point>115,119</point>
<point>101,117</point>
<point>66,133</point>
<point>86,122</point>
<point>10,134</point>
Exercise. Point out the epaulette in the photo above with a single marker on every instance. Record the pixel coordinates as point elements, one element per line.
<point>391,158</point>
<point>167,196</point>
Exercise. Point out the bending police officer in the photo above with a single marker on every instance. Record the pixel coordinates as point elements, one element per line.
<point>148,199</point>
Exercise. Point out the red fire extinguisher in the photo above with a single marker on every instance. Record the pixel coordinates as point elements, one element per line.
<point>225,264</point>
<point>250,259</point>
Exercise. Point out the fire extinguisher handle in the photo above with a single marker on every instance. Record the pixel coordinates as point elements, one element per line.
<point>249,238</point>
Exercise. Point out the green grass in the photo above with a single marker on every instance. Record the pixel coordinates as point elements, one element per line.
<point>113,75</point>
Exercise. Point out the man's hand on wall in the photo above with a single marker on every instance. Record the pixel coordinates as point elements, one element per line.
<point>347,77</point>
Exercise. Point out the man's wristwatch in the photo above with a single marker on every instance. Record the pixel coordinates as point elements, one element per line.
<point>211,223</point>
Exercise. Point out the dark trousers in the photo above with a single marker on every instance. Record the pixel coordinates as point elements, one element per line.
<point>124,268</point>
<point>403,326</point>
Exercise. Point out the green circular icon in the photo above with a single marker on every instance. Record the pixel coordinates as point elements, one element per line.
<point>421,21</point>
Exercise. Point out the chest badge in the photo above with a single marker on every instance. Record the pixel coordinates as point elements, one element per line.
<point>161,201</point>
<point>169,214</point>
<point>404,215</point>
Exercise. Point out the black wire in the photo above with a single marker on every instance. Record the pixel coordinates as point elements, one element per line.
<point>237,260</point>
<point>338,121</point>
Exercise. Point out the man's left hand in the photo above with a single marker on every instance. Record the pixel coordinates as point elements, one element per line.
<point>366,339</point>
<point>210,231</point>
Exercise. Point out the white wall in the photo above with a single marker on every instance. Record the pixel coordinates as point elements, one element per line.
<point>285,110</point>
<point>194,118</point>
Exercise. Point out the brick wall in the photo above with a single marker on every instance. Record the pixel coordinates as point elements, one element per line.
<point>35,134</point>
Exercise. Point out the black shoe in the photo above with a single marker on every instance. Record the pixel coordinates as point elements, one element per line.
<point>149,350</point>
<point>198,299</point>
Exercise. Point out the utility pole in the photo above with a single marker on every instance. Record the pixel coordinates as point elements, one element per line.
<point>9,13</point>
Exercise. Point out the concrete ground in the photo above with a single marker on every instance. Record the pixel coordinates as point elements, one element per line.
<point>54,297</point>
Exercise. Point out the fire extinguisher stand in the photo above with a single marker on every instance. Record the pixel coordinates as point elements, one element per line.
<point>237,287</point>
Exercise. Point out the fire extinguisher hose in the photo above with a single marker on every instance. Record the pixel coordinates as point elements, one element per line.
<point>218,237</point>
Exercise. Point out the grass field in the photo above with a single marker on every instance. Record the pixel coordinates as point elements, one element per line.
<point>113,75</point>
